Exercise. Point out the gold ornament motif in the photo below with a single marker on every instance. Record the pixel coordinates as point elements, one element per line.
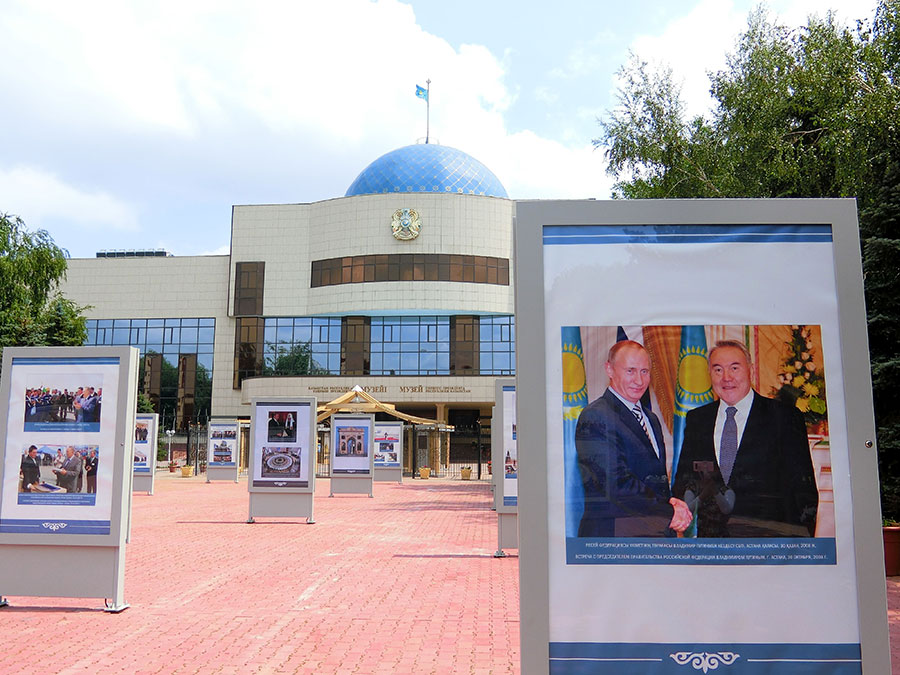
<point>405,224</point>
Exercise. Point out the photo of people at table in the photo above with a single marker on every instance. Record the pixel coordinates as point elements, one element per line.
<point>59,469</point>
<point>282,427</point>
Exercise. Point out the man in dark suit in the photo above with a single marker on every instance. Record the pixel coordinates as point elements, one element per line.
<point>67,474</point>
<point>745,465</point>
<point>622,456</point>
<point>31,469</point>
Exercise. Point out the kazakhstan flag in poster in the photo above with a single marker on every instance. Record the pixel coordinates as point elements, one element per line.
<point>692,387</point>
<point>575,398</point>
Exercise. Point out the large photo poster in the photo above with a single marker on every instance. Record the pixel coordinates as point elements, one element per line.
<point>510,450</point>
<point>697,446</point>
<point>350,440</point>
<point>281,432</point>
<point>60,446</point>
<point>388,444</point>
<point>222,443</point>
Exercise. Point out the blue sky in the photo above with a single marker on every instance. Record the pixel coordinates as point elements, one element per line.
<point>139,124</point>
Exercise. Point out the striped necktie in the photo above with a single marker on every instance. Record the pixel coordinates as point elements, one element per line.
<point>639,416</point>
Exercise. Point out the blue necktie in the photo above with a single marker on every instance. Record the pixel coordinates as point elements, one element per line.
<point>729,445</point>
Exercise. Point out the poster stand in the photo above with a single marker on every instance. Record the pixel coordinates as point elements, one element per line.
<point>146,430</point>
<point>282,471</point>
<point>222,450</point>
<point>389,452</point>
<point>677,263</point>
<point>352,454</point>
<point>72,530</point>
<point>503,441</point>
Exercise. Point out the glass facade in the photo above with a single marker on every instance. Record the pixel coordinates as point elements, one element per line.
<point>389,345</point>
<point>169,337</point>
<point>176,361</point>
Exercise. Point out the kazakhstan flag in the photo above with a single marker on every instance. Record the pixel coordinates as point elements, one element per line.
<point>574,387</point>
<point>421,92</point>
<point>692,388</point>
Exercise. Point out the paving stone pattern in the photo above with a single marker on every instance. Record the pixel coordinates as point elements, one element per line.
<point>402,583</point>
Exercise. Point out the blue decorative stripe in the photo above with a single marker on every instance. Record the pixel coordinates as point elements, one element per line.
<point>142,469</point>
<point>57,498</point>
<point>58,427</point>
<point>386,465</point>
<point>509,387</point>
<point>669,551</point>
<point>575,658</point>
<point>43,361</point>
<point>222,464</point>
<point>510,501</point>
<point>569,235</point>
<point>54,526</point>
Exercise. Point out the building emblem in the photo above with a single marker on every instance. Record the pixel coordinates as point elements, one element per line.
<point>405,224</point>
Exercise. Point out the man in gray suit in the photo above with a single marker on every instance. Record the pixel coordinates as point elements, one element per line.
<point>67,474</point>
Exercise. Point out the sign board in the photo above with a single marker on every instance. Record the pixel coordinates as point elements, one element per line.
<point>66,408</point>
<point>692,470</point>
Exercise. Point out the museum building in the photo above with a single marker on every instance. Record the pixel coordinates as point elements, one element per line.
<point>402,286</point>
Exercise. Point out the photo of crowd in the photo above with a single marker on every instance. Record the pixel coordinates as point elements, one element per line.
<point>282,427</point>
<point>223,433</point>
<point>59,468</point>
<point>351,443</point>
<point>60,404</point>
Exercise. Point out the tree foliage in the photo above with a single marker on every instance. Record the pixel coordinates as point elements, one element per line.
<point>805,112</point>
<point>32,310</point>
<point>296,360</point>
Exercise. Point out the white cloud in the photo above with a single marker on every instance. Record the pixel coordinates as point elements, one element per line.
<point>36,196</point>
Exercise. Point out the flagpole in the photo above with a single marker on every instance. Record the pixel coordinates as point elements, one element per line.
<point>427,109</point>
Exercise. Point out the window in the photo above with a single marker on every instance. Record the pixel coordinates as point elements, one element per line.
<point>406,267</point>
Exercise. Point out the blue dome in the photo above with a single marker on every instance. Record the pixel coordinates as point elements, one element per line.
<point>427,168</point>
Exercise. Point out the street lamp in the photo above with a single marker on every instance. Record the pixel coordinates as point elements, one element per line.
<point>170,433</point>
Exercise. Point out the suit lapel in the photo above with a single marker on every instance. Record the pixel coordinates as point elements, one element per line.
<point>631,423</point>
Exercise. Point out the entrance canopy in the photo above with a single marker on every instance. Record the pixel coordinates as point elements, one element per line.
<point>358,400</point>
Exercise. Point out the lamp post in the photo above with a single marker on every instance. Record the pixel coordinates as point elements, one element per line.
<point>170,433</point>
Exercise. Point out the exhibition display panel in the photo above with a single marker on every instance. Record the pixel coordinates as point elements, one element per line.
<point>688,453</point>
<point>146,430</point>
<point>352,453</point>
<point>67,408</point>
<point>222,450</point>
<point>505,464</point>
<point>282,471</point>
<point>388,461</point>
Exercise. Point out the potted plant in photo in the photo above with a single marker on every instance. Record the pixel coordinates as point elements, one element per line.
<point>466,473</point>
<point>187,471</point>
<point>424,472</point>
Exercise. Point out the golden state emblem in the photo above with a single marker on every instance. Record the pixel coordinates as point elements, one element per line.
<point>405,224</point>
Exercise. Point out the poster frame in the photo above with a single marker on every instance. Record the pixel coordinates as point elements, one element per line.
<point>277,501</point>
<point>58,552</point>
<point>840,214</point>
<point>358,483</point>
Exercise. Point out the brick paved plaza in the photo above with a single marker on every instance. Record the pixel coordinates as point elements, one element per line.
<point>402,583</point>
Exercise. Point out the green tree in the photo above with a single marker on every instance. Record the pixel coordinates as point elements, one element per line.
<point>32,310</point>
<point>296,360</point>
<point>806,112</point>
